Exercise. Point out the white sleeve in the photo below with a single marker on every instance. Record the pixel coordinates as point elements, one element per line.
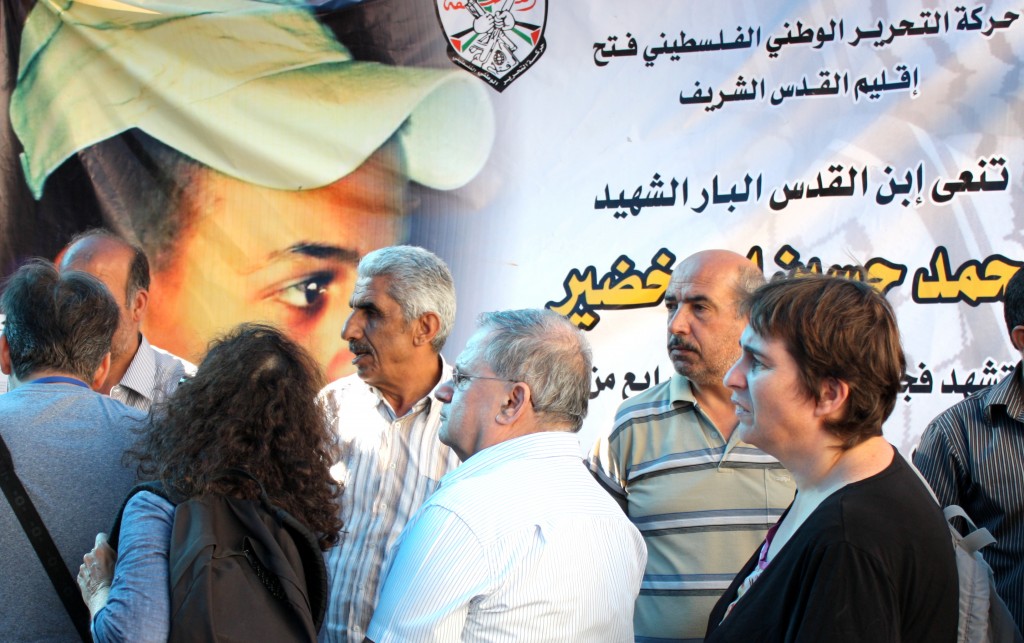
<point>436,574</point>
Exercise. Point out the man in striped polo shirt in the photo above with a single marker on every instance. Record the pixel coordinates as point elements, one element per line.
<point>701,498</point>
<point>973,456</point>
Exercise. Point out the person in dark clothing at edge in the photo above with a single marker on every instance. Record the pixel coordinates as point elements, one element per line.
<point>863,553</point>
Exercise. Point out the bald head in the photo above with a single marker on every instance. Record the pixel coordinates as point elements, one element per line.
<point>704,322</point>
<point>124,270</point>
<point>99,249</point>
<point>743,275</point>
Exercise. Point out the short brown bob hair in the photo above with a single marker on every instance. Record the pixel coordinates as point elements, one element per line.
<point>839,328</point>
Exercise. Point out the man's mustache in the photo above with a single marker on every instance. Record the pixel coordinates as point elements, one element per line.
<point>677,342</point>
<point>358,347</point>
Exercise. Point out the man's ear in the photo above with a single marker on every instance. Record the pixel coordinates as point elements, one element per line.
<point>138,304</point>
<point>519,399</point>
<point>832,396</point>
<point>426,328</point>
<point>1017,337</point>
<point>100,375</point>
<point>5,355</point>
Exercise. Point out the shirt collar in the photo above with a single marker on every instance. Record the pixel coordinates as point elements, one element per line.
<point>1007,394</point>
<point>428,403</point>
<point>680,389</point>
<point>140,377</point>
<point>545,444</point>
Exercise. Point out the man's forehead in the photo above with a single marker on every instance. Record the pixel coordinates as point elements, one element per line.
<point>96,251</point>
<point>701,285</point>
<point>470,355</point>
<point>375,289</point>
<point>111,267</point>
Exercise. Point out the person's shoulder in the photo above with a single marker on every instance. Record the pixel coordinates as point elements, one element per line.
<point>106,409</point>
<point>1006,392</point>
<point>654,397</point>
<point>890,503</point>
<point>150,504</point>
<point>345,396</point>
<point>656,403</point>
<point>120,413</point>
<point>163,358</point>
<point>967,409</point>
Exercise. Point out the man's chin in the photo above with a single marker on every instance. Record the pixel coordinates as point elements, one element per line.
<point>367,371</point>
<point>687,369</point>
<point>699,376</point>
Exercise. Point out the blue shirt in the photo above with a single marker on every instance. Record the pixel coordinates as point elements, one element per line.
<point>139,607</point>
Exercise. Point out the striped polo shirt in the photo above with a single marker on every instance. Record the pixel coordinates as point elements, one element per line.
<point>703,504</point>
<point>973,456</point>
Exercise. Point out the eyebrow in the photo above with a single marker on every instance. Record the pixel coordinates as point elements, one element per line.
<point>693,299</point>
<point>750,349</point>
<point>318,251</point>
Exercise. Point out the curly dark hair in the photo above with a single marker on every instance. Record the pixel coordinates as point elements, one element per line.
<point>252,405</point>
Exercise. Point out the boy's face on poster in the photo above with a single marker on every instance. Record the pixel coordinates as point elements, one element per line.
<point>250,253</point>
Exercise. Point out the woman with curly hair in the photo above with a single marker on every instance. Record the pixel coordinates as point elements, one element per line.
<point>251,406</point>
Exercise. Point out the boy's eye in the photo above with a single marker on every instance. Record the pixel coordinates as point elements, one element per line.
<point>307,292</point>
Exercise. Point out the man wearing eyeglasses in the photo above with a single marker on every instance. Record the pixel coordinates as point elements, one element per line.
<point>403,309</point>
<point>520,542</point>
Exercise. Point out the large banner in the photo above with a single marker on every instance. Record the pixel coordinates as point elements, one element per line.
<point>555,154</point>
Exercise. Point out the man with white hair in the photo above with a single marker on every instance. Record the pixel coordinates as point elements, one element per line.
<point>520,542</point>
<point>403,309</point>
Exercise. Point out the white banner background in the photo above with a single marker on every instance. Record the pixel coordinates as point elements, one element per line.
<point>583,120</point>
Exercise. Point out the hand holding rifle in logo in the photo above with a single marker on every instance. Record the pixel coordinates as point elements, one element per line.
<point>494,50</point>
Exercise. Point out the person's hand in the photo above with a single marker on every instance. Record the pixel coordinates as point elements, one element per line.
<point>504,20</point>
<point>96,573</point>
<point>484,23</point>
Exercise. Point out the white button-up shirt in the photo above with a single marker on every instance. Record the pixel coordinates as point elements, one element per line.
<point>151,377</point>
<point>388,467</point>
<point>519,543</point>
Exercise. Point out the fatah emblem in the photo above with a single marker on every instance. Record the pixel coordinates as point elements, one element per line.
<point>496,40</point>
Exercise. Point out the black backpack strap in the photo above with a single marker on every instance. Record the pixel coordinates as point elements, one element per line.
<point>155,487</point>
<point>43,543</point>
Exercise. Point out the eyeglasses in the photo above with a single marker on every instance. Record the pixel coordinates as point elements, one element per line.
<point>458,378</point>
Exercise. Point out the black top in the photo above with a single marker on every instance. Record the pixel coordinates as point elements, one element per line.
<point>874,562</point>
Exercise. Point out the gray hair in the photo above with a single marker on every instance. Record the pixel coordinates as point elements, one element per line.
<point>420,283</point>
<point>748,279</point>
<point>544,350</point>
<point>59,322</point>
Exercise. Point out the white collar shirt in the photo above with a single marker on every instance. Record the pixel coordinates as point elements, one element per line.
<point>519,543</point>
<point>388,466</point>
<point>151,377</point>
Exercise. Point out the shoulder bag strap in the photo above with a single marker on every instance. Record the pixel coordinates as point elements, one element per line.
<point>43,543</point>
